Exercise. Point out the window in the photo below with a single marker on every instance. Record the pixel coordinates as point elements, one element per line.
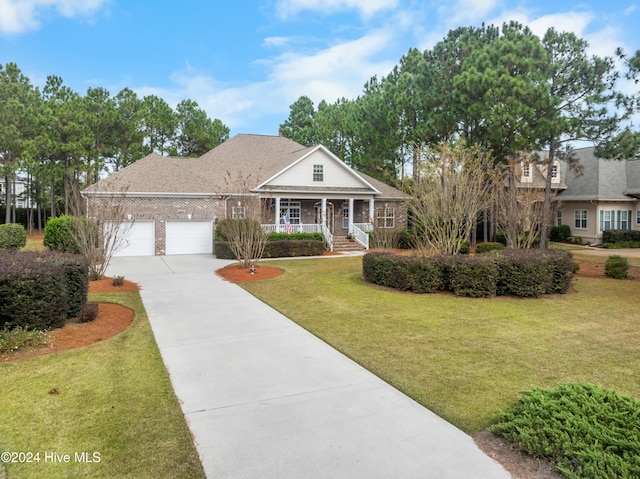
<point>555,172</point>
<point>607,220</point>
<point>293,209</point>
<point>581,219</point>
<point>526,172</point>
<point>624,220</point>
<point>238,212</point>
<point>385,217</point>
<point>559,218</point>
<point>345,216</point>
<point>318,172</point>
<point>638,217</point>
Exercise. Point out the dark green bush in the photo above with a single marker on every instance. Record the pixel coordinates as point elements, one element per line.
<point>58,235</point>
<point>378,267</point>
<point>88,313</point>
<point>622,244</point>
<point>560,233</point>
<point>41,290</point>
<point>465,247</point>
<point>489,246</point>
<point>406,239</point>
<point>587,431</point>
<point>295,237</point>
<point>524,273</point>
<point>12,237</point>
<point>293,248</point>
<point>616,267</point>
<point>617,236</point>
<point>501,237</point>
<point>474,276</point>
<point>222,250</point>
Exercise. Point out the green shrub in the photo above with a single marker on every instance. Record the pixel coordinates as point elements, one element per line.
<point>616,267</point>
<point>474,276</point>
<point>501,237</point>
<point>406,239</point>
<point>17,338</point>
<point>293,248</point>
<point>118,280</point>
<point>12,237</point>
<point>88,313</point>
<point>58,235</point>
<point>587,431</point>
<point>560,233</point>
<point>465,247</point>
<point>524,273</point>
<point>41,290</point>
<point>617,236</point>
<point>295,237</point>
<point>489,246</point>
<point>622,244</point>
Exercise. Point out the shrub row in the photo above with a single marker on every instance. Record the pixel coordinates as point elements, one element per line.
<point>523,273</point>
<point>277,249</point>
<point>588,431</point>
<point>41,290</point>
<point>295,236</point>
<point>622,244</point>
<point>617,236</point>
<point>12,237</point>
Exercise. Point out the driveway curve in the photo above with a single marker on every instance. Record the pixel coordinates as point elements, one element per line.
<point>266,399</point>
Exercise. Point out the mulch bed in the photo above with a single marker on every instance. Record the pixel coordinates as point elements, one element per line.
<point>112,319</point>
<point>235,273</point>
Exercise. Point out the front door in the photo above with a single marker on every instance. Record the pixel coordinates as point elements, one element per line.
<point>330,215</point>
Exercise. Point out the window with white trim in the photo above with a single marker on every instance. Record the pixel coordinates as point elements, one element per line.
<point>555,172</point>
<point>318,173</point>
<point>580,218</point>
<point>385,217</point>
<point>345,216</point>
<point>624,219</point>
<point>559,218</point>
<point>238,212</point>
<point>291,207</point>
<point>607,220</point>
<point>638,217</point>
<point>526,171</point>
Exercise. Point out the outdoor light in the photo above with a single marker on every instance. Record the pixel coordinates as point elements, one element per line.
<point>252,270</point>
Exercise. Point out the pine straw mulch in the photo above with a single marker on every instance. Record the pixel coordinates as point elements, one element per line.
<point>112,319</point>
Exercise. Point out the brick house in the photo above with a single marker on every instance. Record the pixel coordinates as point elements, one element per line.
<point>175,203</point>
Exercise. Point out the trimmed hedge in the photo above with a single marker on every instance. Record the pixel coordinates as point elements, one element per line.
<point>12,237</point>
<point>616,267</point>
<point>588,431</point>
<point>295,237</point>
<point>560,233</point>
<point>618,236</point>
<point>277,249</point>
<point>41,290</point>
<point>523,273</point>
<point>489,246</point>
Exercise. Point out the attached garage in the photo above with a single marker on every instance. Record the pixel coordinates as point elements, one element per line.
<point>139,239</point>
<point>189,237</point>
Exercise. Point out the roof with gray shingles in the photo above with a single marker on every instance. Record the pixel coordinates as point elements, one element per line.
<point>243,161</point>
<point>600,179</point>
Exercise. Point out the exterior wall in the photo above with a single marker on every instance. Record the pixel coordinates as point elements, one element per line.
<point>592,233</point>
<point>162,209</point>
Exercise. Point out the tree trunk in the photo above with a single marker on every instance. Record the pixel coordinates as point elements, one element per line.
<point>546,205</point>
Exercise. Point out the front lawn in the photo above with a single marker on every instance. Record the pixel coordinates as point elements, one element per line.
<point>464,358</point>
<point>110,407</point>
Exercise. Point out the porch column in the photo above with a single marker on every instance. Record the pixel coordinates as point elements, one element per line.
<point>372,209</point>
<point>277,213</point>
<point>350,215</point>
<point>324,212</point>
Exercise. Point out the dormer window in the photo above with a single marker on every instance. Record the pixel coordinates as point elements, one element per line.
<point>318,173</point>
<point>555,172</point>
<point>526,172</point>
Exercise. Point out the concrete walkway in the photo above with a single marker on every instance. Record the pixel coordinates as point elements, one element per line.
<point>266,399</point>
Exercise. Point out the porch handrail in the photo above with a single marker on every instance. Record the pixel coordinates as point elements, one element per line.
<point>293,228</point>
<point>359,233</point>
<point>328,237</point>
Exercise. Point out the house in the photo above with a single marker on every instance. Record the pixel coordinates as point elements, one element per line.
<point>606,195</point>
<point>174,203</point>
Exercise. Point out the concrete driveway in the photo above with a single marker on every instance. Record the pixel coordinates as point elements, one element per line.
<point>266,399</point>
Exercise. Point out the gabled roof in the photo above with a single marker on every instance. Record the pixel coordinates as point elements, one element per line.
<point>248,159</point>
<point>601,179</point>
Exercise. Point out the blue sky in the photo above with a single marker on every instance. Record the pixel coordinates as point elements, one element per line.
<point>245,61</point>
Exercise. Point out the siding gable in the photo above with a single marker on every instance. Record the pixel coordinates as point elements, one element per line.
<point>336,174</point>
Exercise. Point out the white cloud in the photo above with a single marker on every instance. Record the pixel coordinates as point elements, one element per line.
<point>367,8</point>
<point>17,16</point>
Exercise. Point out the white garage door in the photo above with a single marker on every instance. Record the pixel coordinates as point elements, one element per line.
<point>189,237</point>
<point>139,240</point>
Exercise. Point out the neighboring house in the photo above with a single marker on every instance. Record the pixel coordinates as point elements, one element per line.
<point>19,196</point>
<point>605,196</point>
<point>174,203</point>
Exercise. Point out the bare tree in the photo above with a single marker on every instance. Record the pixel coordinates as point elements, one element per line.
<point>453,185</point>
<point>521,214</point>
<point>241,228</point>
<point>100,229</point>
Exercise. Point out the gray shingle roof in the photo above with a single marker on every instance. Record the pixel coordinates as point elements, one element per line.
<point>246,159</point>
<point>601,179</point>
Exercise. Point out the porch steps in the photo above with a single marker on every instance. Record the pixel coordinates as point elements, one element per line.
<point>342,245</point>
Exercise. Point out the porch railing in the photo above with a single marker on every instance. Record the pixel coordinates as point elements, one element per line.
<point>328,237</point>
<point>297,228</point>
<point>359,233</point>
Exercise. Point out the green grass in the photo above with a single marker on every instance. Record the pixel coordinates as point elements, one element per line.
<point>466,359</point>
<point>113,398</point>
<point>34,243</point>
